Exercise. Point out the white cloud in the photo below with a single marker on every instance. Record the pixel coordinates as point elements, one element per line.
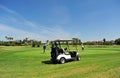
<point>17,17</point>
<point>19,34</point>
<point>8,10</point>
<point>37,31</point>
<point>45,35</point>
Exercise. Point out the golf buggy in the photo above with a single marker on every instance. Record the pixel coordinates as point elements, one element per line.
<point>59,55</point>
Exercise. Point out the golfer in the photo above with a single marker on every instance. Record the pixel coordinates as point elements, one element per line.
<point>44,47</point>
<point>82,47</point>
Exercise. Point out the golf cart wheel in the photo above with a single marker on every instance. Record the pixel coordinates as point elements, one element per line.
<point>78,58</point>
<point>62,60</point>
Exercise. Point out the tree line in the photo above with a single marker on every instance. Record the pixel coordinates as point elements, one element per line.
<point>35,43</point>
<point>104,42</point>
<point>25,42</point>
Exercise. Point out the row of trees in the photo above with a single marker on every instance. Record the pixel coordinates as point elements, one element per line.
<point>21,43</point>
<point>103,42</point>
<point>75,41</point>
<point>99,43</point>
<point>11,42</point>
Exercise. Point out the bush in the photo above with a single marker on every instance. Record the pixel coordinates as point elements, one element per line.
<point>117,41</point>
<point>38,45</point>
<point>33,45</point>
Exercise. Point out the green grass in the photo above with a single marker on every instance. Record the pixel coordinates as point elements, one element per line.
<point>28,62</point>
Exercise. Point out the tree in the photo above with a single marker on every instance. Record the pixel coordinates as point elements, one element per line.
<point>79,41</point>
<point>9,42</point>
<point>104,40</point>
<point>1,43</point>
<point>48,42</point>
<point>75,41</point>
<point>117,41</point>
<point>33,43</point>
<point>25,41</point>
<point>9,38</point>
<point>18,42</point>
<point>36,43</point>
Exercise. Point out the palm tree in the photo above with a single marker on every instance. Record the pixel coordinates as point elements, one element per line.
<point>25,41</point>
<point>9,38</point>
<point>79,41</point>
<point>104,40</point>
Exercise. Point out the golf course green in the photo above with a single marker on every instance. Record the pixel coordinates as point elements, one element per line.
<point>28,62</point>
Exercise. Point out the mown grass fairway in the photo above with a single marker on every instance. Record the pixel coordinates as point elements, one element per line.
<point>28,62</point>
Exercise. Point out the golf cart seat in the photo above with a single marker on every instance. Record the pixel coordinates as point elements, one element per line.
<point>60,51</point>
<point>65,48</point>
<point>73,53</point>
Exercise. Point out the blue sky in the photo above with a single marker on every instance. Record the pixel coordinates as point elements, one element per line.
<point>60,19</point>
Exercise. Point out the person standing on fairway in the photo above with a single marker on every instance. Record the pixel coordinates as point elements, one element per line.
<point>44,47</point>
<point>82,47</point>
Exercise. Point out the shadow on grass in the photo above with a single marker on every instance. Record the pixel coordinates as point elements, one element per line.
<point>47,62</point>
<point>50,62</point>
